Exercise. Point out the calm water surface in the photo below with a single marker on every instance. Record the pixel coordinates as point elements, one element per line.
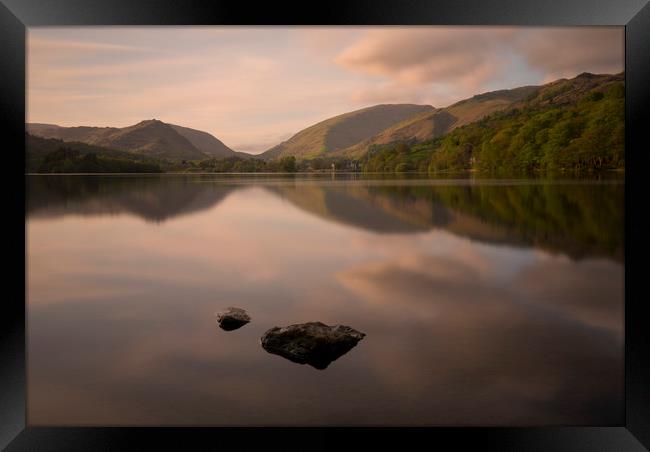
<point>484,302</point>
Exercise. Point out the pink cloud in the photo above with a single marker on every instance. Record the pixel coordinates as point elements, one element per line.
<point>417,55</point>
<point>450,63</point>
<point>564,52</point>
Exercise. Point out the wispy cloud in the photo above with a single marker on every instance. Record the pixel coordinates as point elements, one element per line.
<point>564,52</point>
<point>60,45</point>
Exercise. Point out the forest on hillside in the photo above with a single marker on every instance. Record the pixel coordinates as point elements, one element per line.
<point>587,134</point>
<point>48,155</point>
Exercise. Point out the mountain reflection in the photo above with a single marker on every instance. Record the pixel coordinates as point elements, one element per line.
<point>152,198</point>
<point>579,219</point>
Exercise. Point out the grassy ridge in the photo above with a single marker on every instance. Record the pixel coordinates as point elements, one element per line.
<point>342,131</point>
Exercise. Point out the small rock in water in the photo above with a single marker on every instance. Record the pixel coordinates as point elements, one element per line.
<point>312,343</point>
<point>232,318</point>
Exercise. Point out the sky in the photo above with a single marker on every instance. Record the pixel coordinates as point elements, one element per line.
<point>253,87</point>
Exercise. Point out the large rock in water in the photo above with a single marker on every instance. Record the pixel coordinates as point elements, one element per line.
<point>312,343</point>
<point>232,318</point>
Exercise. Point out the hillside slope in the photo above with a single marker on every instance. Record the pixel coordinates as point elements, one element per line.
<point>153,138</point>
<point>51,155</point>
<point>437,123</point>
<point>343,131</point>
<point>204,142</point>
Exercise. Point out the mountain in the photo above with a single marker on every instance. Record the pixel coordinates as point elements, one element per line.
<point>343,131</point>
<point>430,123</point>
<point>576,124</point>
<point>152,138</point>
<point>433,124</point>
<point>206,143</point>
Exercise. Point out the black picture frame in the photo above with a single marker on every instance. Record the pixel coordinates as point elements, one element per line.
<point>16,15</point>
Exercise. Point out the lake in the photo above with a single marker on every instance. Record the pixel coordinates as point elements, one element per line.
<point>484,302</point>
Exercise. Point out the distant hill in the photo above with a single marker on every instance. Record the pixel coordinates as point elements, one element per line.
<point>152,138</point>
<point>343,131</point>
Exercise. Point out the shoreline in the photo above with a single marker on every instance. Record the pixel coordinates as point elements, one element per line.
<point>620,171</point>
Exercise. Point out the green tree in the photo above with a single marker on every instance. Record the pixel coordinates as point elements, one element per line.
<point>288,164</point>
